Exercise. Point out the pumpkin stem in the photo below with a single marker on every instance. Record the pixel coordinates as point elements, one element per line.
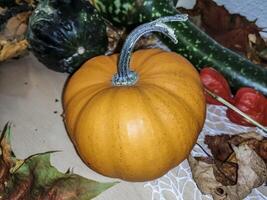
<point>126,77</point>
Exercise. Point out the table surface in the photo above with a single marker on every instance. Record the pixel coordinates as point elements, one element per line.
<point>28,93</point>
<point>30,97</point>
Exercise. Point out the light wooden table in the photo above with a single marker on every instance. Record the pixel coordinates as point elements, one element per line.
<point>28,93</point>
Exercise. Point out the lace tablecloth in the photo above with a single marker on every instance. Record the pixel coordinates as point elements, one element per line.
<point>178,183</point>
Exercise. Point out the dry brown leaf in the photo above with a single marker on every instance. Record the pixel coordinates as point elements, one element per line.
<point>203,175</point>
<point>14,21</point>
<point>116,36</point>
<point>221,145</point>
<point>263,54</point>
<point>6,161</point>
<point>12,49</point>
<point>225,172</point>
<point>252,173</point>
<point>231,30</point>
<point>16,27</point>
<point>262,151</point>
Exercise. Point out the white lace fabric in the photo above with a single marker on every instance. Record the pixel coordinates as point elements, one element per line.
<point>178,184</point>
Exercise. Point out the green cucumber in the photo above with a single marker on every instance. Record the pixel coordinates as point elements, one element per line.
<point>193,43</point>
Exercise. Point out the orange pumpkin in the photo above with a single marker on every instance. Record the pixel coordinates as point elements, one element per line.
<point>140,131</point>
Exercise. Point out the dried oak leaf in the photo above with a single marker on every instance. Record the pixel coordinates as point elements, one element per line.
<point>36,179</point>
<point>252,173</point>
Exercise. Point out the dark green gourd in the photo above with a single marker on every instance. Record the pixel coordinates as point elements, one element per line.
<point>8,3</point>
<point>194,44</point>
<point>63,34</point>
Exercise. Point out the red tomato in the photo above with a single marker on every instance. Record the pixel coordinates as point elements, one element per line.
<point>216,83</point>
<point>250,102</point>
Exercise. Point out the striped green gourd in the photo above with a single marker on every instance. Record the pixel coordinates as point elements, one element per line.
<point>194,44</point>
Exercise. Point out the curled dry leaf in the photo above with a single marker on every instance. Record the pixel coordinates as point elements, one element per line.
<point>252,173</point>
<point>36,179</point>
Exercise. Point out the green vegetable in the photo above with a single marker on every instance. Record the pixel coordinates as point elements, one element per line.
<point>194,44</point>
<point>8,3</point>
<point>63,34</point>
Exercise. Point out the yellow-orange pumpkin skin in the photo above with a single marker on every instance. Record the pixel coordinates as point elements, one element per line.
<point>140,132</point>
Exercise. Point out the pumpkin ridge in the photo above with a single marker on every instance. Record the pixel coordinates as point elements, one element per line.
<point>181,136</point>
<point>142,66</point>
<point>174,96</point>
<point>67,101</point>
<point>171,93</point>
<point>149,110</point>
<point>193,80</point>
<point>142,52</point>
<point>155,75</point>
<point>116,165</point>
<point>72,106</point>
<point>83,108</point>
<point>156,114</point>
<point>174,58</point>
<point>114,58</point>
<point>93,66</point>
<point>94,150</point>
<point>104,82</point>
<point>101,66</point>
